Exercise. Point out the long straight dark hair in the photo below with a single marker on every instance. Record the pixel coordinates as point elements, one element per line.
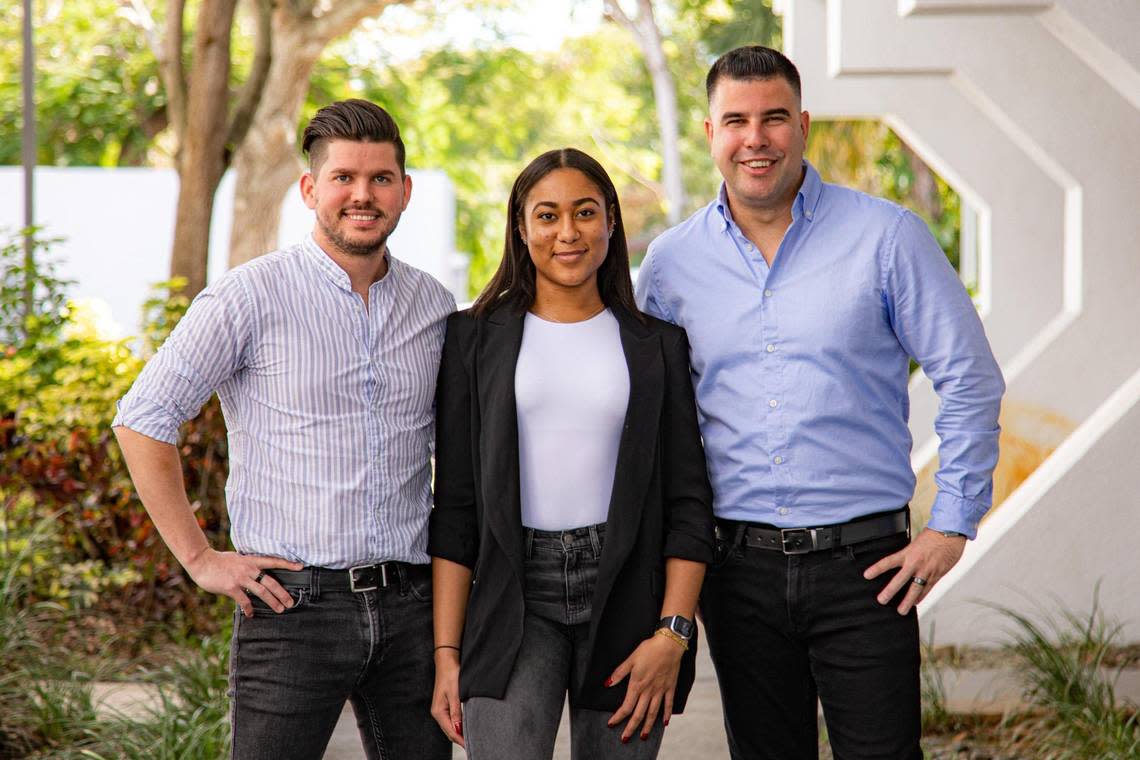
<point>513,286</point>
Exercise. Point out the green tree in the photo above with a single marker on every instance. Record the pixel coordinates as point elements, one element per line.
<point>99,101</point>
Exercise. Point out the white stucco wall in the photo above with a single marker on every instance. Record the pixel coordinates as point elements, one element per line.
<point>118,226</point>
<point>1031,110</point>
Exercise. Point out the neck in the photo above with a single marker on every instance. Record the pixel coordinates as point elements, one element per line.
<point>566,304</point>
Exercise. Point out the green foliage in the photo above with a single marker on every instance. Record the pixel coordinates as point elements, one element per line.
<point>59,381</point>
<point>1062,660</point>
<point>49,710</point>
<point>99,101</point>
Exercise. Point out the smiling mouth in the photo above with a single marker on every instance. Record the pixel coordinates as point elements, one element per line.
<point>362,216</point>
<point>759,163</point>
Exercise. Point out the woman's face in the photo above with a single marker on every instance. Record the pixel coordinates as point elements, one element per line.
<point>566,227</point>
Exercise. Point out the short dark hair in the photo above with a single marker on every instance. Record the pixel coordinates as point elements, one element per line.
<point>752,62</point>
<point>513,285</point>
<point>355,120</point>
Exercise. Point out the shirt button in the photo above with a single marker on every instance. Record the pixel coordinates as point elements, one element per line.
<point>773,403</point>
<point>784,510</point>
<point>770,347</point>
<point>767,292</point>
<point>748,246</point>
<point>778,460</point>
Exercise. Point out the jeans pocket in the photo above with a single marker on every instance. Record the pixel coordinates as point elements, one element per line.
<point>419,586</point>
<point>299,595</point>
<point>723,552</point>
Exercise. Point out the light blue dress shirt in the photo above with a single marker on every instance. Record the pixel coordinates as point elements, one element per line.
<point>801,369</point>
<point>328,405</point>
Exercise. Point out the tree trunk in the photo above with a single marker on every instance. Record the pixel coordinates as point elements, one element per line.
<point>648,36</point>
<point>268,163</point>
<point>202,159</point>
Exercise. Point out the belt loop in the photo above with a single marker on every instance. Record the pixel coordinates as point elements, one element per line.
<point>738,535</point>
<point>529,541</point>
<point>907,510</point>
<point>595,541</point>
<point>398,568</point>
<point>315,583</point>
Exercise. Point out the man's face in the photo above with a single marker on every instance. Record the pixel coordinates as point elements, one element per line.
<point>756,135</point>
<point>358,193</point>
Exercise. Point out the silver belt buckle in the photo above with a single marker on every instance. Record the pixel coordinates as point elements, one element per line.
<point>806,533</point>
<point>360,589</point>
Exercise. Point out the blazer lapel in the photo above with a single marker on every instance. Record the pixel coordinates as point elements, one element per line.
<point>499,436</point>
<point>638,448</point>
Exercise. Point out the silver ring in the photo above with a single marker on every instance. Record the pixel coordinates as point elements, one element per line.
<point>918,581</point>
<point>259,577</point>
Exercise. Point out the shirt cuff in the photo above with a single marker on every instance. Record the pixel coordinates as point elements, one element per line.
<point>149,419</point>
<point>954,513</point>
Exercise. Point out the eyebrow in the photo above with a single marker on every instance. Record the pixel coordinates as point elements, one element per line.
<point>578,202</point>
<point>345,170</point>
<point>769,112</point>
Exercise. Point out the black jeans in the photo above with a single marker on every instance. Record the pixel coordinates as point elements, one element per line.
<point>291,673</point>
<point>786,630</point>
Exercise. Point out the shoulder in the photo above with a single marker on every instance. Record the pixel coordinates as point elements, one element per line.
<point>422,284</point>
<point>870,209</point>
<point>683,236</point>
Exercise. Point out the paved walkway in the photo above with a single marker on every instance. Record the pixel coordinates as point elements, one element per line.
<point>698,733</point>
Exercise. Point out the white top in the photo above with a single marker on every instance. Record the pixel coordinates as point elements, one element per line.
<point>571,391</point>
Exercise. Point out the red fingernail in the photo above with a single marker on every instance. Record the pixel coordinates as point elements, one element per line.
<point>644,737</point>
<point>609,682</point>
<point>459,728</point>
<point>666,721</point>
<point>625,740</point>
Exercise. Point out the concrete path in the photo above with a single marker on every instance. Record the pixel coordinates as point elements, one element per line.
<point>698,733</point>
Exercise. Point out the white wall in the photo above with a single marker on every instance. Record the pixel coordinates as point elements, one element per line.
<point>1031,110</point>
<point>118,226</point>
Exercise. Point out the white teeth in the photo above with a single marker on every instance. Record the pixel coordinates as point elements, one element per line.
<point>361,217</point>
<point>762,164</point>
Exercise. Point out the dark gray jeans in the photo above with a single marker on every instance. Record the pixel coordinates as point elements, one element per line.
<point>561,570</point>
<point>290,674</point>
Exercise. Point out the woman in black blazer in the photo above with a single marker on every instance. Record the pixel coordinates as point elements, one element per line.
<point>547,580</point>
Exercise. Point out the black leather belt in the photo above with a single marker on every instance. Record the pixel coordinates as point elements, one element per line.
<point>804,540</point>
<point>357,579</point>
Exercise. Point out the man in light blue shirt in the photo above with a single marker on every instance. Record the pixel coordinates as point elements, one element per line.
<point>324,355</point>
<point>804,302</point>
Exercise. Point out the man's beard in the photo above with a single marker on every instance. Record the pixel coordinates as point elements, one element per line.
<point>358,247</point>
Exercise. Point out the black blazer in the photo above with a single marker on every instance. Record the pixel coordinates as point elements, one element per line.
<point>661,504</point>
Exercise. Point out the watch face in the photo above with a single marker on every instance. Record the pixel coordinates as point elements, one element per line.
<point>683,627</point>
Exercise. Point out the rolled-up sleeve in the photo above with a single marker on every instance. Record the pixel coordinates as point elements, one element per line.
<point>207,347</point>
<point>937,324</point>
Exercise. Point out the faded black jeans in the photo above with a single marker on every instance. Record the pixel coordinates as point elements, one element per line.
<point>291,673</point>
<point>561,570</point>
<point>784,630</point>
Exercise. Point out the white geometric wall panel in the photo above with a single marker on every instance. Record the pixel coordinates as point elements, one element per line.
<point>1030,109</point>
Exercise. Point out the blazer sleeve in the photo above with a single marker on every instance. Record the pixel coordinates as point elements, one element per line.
<point>453,532</point>
<point>687,494</point>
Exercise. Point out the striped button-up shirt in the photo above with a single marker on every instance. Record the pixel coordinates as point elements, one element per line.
<point>328,404</point>
<point>801,368</point>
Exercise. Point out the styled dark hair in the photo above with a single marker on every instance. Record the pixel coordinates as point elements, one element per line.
<point>356,120</point>
<point>513,285</point>
<point>752,62</point>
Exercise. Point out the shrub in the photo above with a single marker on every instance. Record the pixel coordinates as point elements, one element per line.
<point>59,380</point>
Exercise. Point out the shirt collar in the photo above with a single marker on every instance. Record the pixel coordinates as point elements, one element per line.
<point>330,269</point>
<point>805,204</point>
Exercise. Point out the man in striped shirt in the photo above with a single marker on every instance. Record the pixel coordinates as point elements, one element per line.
<point>324,356</point>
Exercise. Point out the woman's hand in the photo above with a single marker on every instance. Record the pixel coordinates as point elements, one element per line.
<point>445,706</point>
<point>652,671</point>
